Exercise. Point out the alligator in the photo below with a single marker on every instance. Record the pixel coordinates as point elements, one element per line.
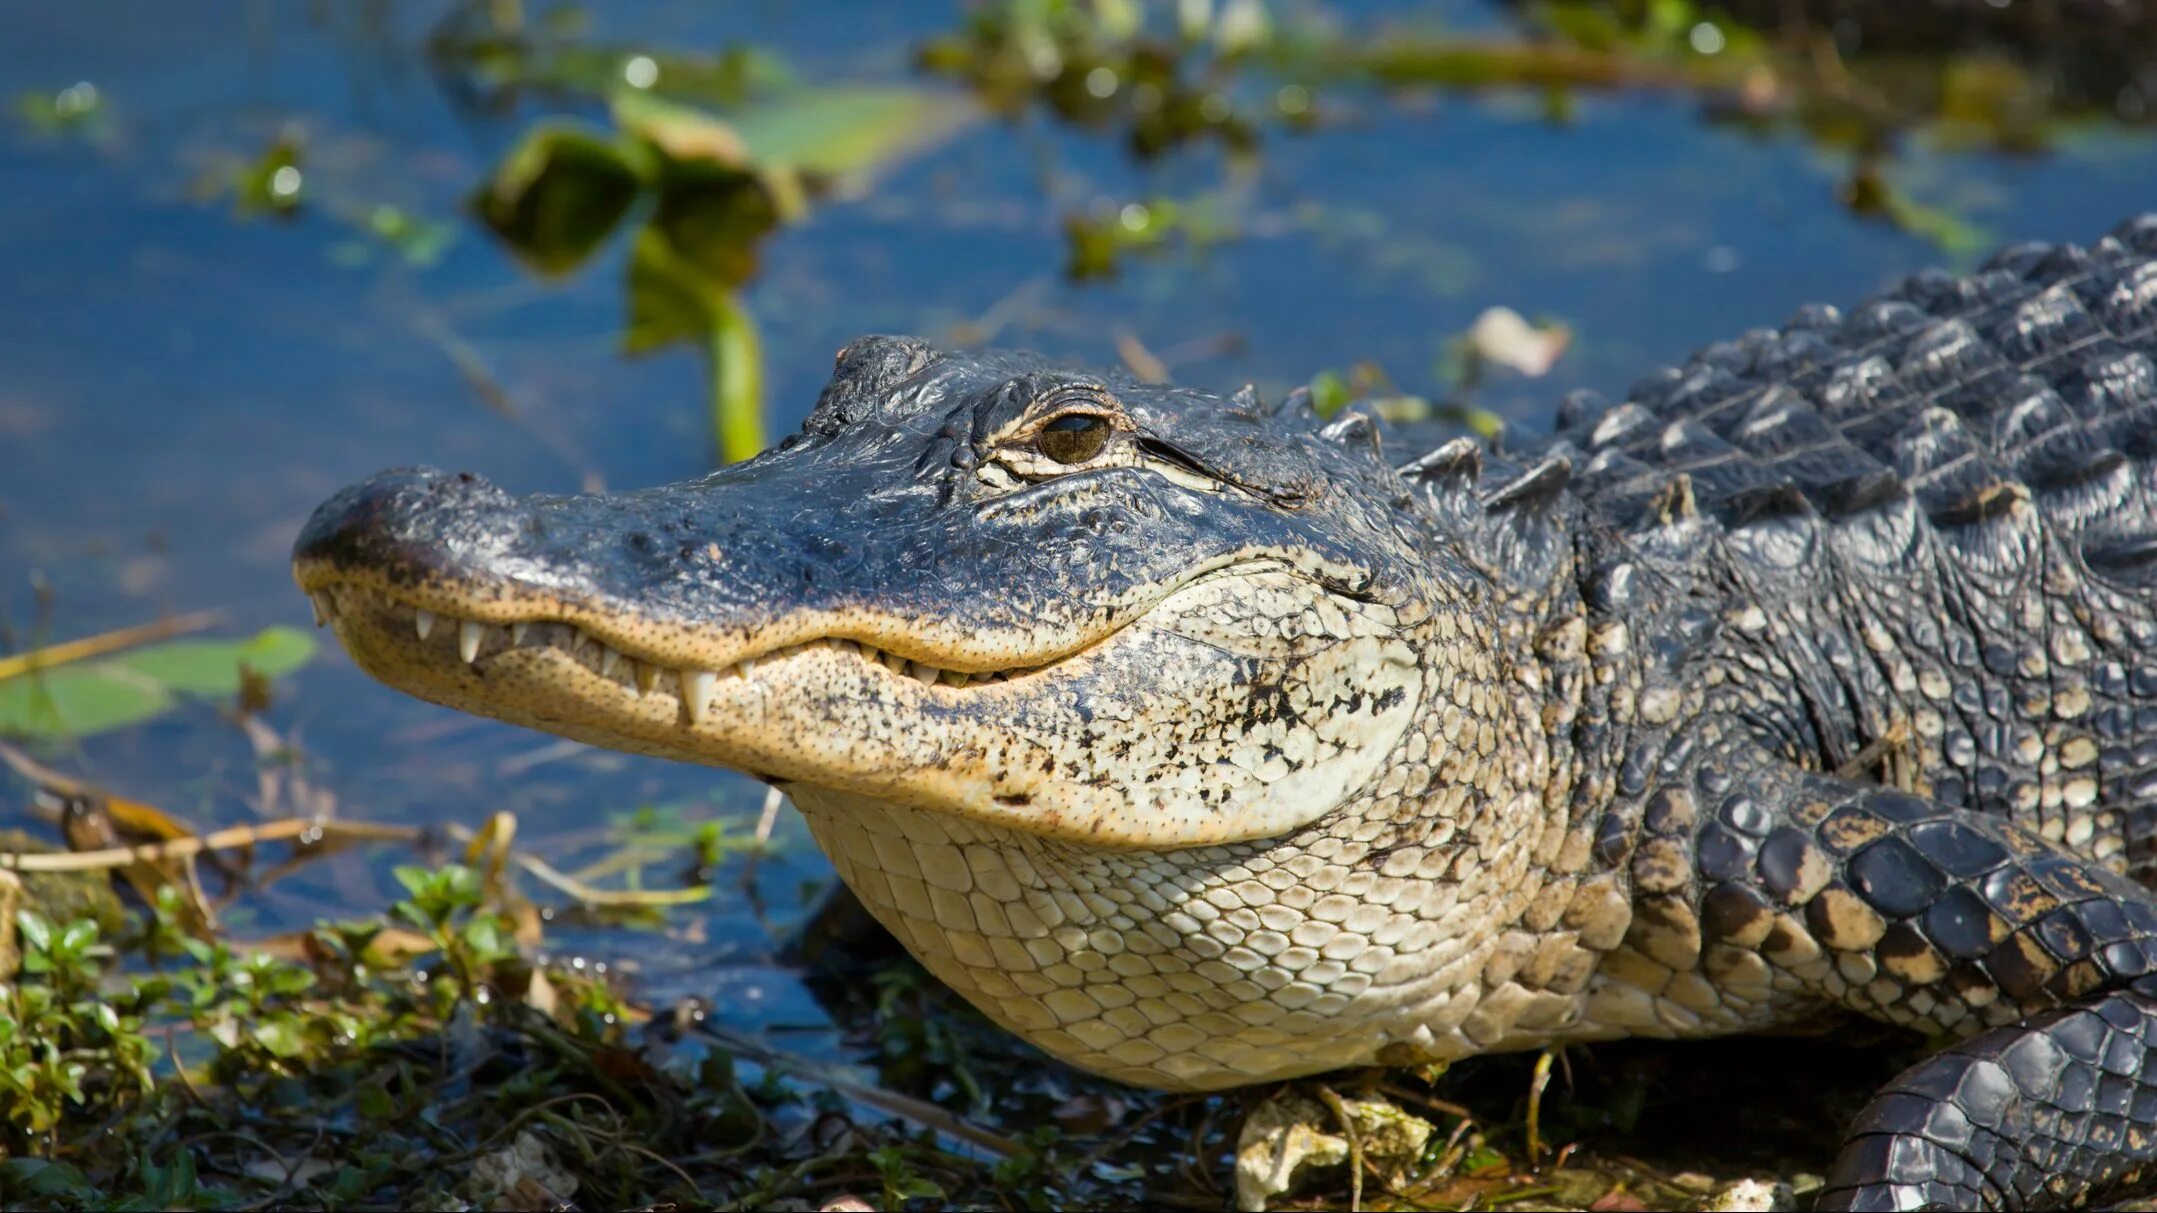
<point>1202,741</point>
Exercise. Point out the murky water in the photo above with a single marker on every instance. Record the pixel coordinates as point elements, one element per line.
<point>181,382</point>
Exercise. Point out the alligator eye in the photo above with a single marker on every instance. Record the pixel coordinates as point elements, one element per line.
<point>1073,437</point>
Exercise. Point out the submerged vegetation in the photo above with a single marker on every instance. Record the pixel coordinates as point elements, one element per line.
<point>454,1014</point>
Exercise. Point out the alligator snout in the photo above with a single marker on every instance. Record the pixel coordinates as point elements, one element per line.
<point>408,522</point>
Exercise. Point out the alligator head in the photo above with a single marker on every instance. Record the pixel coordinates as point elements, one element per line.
<point>994,625</point>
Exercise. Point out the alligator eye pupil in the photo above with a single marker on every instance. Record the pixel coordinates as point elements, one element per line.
<point>1073,439</point>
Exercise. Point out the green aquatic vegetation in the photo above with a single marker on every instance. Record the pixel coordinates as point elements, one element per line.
<point>403,1060</point>
<point>1162,84</point>
<point>1170,78</point>
<point>79,109</point>
<point>1097,243</point>
<point>91,697</point>
<point>701,191</point>
<point>274,182</point>
<point>491,55</point>
<point>66,1049</point>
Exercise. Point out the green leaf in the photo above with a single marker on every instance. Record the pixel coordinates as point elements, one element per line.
<point>821,134</point>
<point>412,876</point>
<point>36,930</point>
<point>212,667</point>
<point>77,937</point>
<point>559,194</point>
<point>280,1036</point>
<point>836,132</point>
<point>484,937</point>
<point>96,697</point>
<point>41,1177</point>
<point>78,701</point>
<point>372,1101</point>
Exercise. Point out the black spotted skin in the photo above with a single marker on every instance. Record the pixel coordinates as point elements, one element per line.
<point>1883,708</point>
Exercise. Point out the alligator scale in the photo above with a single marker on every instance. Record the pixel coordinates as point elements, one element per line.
<point>1202,741</point>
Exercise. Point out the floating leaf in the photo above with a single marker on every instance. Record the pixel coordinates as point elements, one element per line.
<point>95,697</point>
<point>558,195</point>
<point>211,667</point>
<point>680,133</point>
<point>827,132</point>
<point>78,701</point>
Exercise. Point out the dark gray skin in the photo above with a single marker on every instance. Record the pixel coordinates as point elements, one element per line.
<point>1818,678</point>
<point>861,510</point>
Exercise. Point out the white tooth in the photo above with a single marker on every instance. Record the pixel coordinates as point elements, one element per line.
<point>924,673</point>
<point>747,666</point>
<point>423,623</point>
<point>871,654</point>
<point>577,640</point>
<point>608,659</point>
<point>518,631</point>
<point>697,688</point>
<point>321,604</point>
<point>893,662</point>
<point>469,633</point>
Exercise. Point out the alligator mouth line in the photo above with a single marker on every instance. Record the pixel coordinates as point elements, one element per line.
<point>472,641</point>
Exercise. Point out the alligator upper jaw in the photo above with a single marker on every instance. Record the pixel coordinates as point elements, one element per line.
<point>501,628</point>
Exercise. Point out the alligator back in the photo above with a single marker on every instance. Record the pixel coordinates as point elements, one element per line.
<point>1930,520</point>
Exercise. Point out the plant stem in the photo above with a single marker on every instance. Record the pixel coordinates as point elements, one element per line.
<point>737,377</point>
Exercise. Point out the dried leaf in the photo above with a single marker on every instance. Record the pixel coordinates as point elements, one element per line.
<point>1501,335</point>
<point>523,1176</point>
<point>97,822</point>
<point>10,902</point>
<point>1290,1135</point>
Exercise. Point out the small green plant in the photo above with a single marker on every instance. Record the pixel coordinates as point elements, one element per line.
<point>65,1049</point>
<point>447,904</point>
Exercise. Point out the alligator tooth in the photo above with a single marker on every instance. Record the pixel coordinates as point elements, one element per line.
<point>423,623</point>
<point>518,631</point>
<point>957,678</point>
<point>871,655</point>
<point>747,666</point>
<point>321,604</point>
<point>609,657</point>
<point>469,633</point>
<point>697,688</point>
<point>577,640</point>
<point>926,674</point>
<point>647,677</point>
<point>893,662</point>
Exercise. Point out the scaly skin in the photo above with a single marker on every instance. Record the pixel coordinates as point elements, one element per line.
<point>1195,743</point>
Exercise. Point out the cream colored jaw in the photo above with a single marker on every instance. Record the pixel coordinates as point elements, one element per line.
<point>471,639</point>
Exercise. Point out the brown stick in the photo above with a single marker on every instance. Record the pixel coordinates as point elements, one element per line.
<point>220,840</point>
<point>104,642</point>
